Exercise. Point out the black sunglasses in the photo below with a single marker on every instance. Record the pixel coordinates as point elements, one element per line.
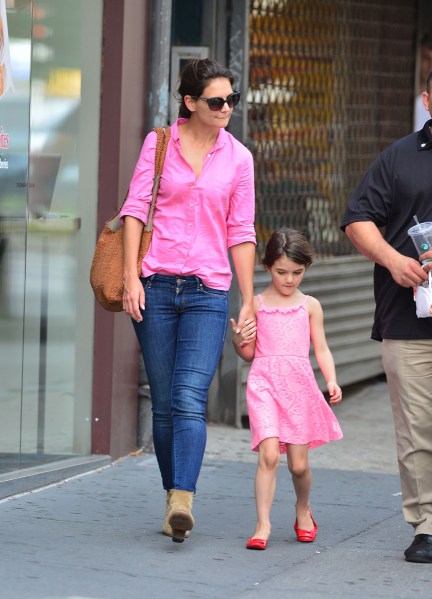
<point>218,103</point>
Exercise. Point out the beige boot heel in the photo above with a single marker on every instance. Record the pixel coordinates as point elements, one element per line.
<point>180,514</point>
<point>166,528</point>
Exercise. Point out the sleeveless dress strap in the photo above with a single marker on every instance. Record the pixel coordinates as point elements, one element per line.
<point>306,297</point>
<point>261,303</point>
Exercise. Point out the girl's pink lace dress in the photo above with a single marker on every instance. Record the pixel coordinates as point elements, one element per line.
<point>283,397</point>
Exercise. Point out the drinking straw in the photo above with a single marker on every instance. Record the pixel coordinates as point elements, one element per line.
<point>421,231</point>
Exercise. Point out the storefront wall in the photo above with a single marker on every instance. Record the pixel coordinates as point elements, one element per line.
<point>49,126</point>
<point>331,84</point>
<point>320,91</point>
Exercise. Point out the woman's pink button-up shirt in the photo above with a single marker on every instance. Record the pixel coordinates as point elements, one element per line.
<point>195,220</point>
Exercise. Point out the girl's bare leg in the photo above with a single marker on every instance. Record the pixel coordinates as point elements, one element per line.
<point>298,465</point>
<point>265,485</point>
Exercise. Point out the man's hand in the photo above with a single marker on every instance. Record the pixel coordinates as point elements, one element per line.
<point>406,271</point>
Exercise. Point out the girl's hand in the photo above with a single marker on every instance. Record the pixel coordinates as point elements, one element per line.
<point>245,335</point>
<point>335,392</point>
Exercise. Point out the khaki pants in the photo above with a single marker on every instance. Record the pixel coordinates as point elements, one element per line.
<point>408,366</point>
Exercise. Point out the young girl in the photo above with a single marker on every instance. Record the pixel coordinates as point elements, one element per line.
<point>287,411</point>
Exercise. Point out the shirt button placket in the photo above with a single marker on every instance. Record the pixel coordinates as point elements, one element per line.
<point>191,205</point>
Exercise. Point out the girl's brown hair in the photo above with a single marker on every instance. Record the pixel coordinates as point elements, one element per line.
<point>290,243</point>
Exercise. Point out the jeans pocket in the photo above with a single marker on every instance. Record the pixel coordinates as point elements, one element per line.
<point>147,281</point>
<point>221,293</point>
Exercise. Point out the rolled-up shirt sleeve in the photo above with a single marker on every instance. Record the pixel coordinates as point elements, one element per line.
<point>372,198</point>
<point>140,189</point>
<point>241,214</point>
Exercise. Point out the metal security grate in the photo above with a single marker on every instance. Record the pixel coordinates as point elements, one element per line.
<point>330,84</point>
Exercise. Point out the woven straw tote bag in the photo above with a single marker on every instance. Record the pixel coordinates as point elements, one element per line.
<point>106,272</point>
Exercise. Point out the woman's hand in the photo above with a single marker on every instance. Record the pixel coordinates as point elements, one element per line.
<point>244,335</point>
<point>247,312</point>
<point>133,298</point>
<point>133,291</point>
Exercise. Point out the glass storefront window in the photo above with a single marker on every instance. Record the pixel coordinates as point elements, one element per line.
<point>47,221</point>
<point>14,130</point>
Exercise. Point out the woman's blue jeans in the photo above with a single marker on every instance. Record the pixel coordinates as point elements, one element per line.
<point>181,338</point>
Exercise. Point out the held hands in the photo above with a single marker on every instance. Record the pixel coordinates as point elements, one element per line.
<point>246,334</point>
<point>335,392</point>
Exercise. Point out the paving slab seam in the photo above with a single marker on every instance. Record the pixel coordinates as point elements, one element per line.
<point>56,484</point>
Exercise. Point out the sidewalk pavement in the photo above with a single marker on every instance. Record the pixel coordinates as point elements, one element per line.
<point>97,536</point>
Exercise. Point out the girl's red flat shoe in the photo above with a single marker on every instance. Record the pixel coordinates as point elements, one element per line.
<point>306,536</point>
<point>259,544</point>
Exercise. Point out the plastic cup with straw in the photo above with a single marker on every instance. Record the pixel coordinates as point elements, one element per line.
<point>421,235</point>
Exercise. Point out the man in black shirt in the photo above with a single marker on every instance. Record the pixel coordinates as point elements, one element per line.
<point>397,187</point>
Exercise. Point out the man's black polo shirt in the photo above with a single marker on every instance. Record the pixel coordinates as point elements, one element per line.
<point>397,186</point>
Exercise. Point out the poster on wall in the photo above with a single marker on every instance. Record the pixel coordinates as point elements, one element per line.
<point>6,82</point>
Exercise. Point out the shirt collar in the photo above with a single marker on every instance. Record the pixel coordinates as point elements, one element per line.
<point>220,140</point>
<point>424,137</point>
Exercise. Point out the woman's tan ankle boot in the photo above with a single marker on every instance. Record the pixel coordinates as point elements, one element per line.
<point>166,529</point>
<point>180,514</point>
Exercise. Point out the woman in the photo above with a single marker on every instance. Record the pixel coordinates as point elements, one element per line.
<point>179,308</point>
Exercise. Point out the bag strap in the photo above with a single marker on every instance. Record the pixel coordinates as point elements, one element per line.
<point>163,137</point>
